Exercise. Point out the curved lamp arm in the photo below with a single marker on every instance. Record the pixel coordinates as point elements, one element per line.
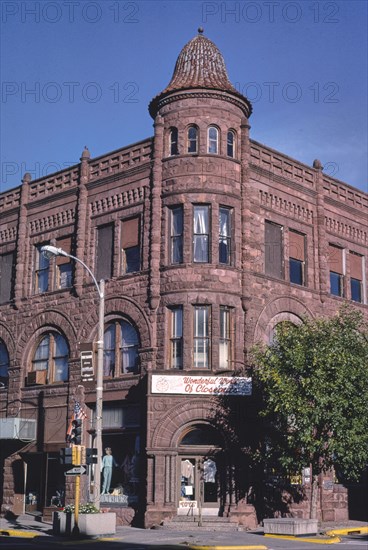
<point>49,251</point>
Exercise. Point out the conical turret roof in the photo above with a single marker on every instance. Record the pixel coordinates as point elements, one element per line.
<point>200,65</point>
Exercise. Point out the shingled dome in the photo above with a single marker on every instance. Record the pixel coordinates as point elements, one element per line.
<point>200,65</point>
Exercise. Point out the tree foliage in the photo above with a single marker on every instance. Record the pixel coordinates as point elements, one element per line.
<point>314,382</point>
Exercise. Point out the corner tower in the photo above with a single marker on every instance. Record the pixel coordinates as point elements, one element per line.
<point>201,148</point>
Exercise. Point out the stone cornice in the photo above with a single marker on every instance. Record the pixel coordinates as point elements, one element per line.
<point>190,94</point>
<point>281,179</point>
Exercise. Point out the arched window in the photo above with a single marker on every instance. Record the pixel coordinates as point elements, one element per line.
<point>4,365</point>
<point>120,349</point>
<point>213,140</point>
<point>193,139</point>
<point>173,141</point>
<point>50,360</point>
<point>231,144</point>
<point>201,434</point>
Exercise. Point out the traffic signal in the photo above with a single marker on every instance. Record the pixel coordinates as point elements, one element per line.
<point>65,456</point>
<point>91,456</point>
<point>76,458</point>
<point>76,435</point>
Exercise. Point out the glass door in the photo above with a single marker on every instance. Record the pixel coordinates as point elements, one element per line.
<point>199,486</point>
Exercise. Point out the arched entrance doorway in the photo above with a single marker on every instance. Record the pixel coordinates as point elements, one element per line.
<point>200,471</point>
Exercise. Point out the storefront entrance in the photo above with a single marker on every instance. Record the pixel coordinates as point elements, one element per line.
<point>198,485</point>
<point>199,472</point>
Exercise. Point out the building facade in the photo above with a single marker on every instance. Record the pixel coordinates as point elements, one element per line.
<point>206,241</point>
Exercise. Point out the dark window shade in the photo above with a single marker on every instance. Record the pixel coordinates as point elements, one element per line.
<point>356,268</point>
<point>6,276</point>
<point>296,246</point>
<point>104,252</point>
<point>335,259</point>
<point>130,233</point>
<point>273,250</point>
<point>66,245</point>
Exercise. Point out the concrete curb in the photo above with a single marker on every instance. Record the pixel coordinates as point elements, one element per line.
<point>347,531</point>
<point>18,533</point>
<point>332,540</point>
<point>232,547</point>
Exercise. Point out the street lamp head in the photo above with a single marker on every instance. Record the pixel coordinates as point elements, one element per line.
<point>49,251</point>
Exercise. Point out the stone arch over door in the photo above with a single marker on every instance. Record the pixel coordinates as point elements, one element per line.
<point>179,417</point>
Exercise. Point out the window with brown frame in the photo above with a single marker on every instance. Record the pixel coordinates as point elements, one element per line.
<point>176,337</point>
<point>104,260</point>
<point>201,337</point>
<point>64,266</point>
<point>336,266</point>
<point>50,359</point>
<point>273,250</point>
<point>296,257</point>
<point>356,276</point>
<point>7,265</point>
<point>130,246</point>
<point>225,343</point>
<point>41,272</point>
<point>121,343</point>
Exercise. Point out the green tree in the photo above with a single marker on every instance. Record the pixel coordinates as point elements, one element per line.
<point>314,382</point>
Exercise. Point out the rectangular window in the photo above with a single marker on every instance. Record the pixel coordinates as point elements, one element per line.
<point>273,250</point>
<point>296,258</point>
<point>176,337</point>
<point>41,271</point>
<point>176,235</point>
<point>356,276</point>
<point>356,290</point>
<point>6,277</point>
<point>336,266</point>
<point>225,338</point>
<point>201,344</point>
<point>130,246</point>
<point>64,264</point>
<point>201,234</point>
<point>105,239</point>
<point>225,236</point>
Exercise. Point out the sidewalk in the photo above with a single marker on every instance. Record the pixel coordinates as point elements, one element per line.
<point>28,527</point>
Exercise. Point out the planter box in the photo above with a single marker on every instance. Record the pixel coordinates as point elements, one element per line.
<point>290,526</point>
<point>89,524</point>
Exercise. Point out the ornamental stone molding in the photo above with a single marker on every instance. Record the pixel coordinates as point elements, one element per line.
<point>8,234</point>
<point>113,202</point>
<point>47,321</point>
<point>178,418</point>
<point>283,308</point>
<point>63,217</point>
<point>284,206</point>
<point>7,337</point>
<point>117,307</point>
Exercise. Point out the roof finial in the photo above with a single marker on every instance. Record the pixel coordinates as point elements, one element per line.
<point>200,30</point>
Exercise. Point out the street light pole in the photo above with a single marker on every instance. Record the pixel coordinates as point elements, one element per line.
<point>99,394</point>
<point>50,251</point>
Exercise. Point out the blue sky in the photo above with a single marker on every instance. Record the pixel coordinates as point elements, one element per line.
<point>78,73</point>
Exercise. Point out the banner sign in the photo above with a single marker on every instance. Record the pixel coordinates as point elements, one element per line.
<point>201,385</point>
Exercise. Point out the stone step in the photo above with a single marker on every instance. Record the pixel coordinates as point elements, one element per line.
<point>191,523</point>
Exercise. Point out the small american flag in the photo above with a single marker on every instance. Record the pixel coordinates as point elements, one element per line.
<point>78,413</point>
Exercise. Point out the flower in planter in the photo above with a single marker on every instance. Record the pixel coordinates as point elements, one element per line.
<point>88,508</point>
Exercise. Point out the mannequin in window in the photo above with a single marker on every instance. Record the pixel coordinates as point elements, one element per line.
<point>108,462</point>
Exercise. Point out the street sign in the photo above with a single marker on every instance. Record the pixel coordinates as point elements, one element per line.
<point>87,371</point>
<point>77,471</point>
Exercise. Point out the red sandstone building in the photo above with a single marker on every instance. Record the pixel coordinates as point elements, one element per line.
<point>206,240</point>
